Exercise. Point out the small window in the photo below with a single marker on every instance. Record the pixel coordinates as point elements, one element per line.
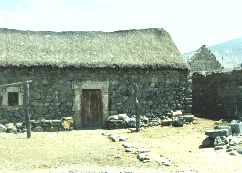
<point>13,98</point>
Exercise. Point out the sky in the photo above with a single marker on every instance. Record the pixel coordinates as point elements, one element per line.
<point>191,23</point>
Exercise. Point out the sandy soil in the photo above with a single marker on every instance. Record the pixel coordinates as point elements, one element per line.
<point>89,151</point>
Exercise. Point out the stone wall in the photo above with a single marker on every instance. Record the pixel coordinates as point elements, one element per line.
<point>218,95</point>
<point>52,94</point>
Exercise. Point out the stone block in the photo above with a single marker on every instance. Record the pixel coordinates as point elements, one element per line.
<point>166,122</point>
<point>11,128</point>
<point>52,129</point>
<point>3,128</point>
<point>236,127</point>
<point>223,127</point>
<point>38,129</point>
<point>217,132</point>
<point>188,118</point>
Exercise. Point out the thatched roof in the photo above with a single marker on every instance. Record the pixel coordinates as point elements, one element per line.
<point>204,60</point>
<point>131,48</point>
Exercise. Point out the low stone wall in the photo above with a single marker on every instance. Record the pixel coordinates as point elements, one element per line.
<point>52,93</point>
<point>218,95</point>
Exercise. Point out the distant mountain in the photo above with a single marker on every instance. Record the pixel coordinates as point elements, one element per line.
<point>229,53</point>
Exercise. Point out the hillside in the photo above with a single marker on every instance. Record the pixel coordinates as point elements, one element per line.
<point>231,51</point>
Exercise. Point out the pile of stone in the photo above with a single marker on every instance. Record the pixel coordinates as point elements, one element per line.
<point>175,118</point>
<point>142,153</point>
<point>123,121</point>
<point>66,123</point>
<point>227,137</point>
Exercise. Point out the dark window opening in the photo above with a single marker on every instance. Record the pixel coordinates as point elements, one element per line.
<point>12,98</point>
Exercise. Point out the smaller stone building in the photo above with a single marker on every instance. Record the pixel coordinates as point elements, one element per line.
<point>218,94</point>
<point>204,60</point>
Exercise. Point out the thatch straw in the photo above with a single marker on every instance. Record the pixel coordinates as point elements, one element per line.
<point>131,48</point>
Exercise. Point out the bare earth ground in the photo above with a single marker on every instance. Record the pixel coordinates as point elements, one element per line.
<point>89,151</point>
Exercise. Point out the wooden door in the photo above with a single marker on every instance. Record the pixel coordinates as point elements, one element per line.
<point>91,108</point>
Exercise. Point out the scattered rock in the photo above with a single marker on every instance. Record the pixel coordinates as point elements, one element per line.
<point>231,148</point>
<point>143,150</point>
<point>234,141</point>
<point>208,142</point>
<point>123,138</point>
<point>11,128</point>
<point>239,150</point>
<point>233,153</point>
<point>163,161</point>
<point>219,141</point>
<point>116,138</point>
<point>188,118</point>
<point>38,129</point>
<point>124,117</point>
<point>219,147</point>
<point>52,129</point>
<point>128,145</point>
<point>166,122</point>
<point>175,113</point>
<point>131,150</point>
<point>236,127</point>
<point>144,157</point>
<point>3,128</point>
<point>106,133</point>
<point>178,122</point>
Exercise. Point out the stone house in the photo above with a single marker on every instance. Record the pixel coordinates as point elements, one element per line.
<point>218,94</point>
<point>89,75</point>
<point>204,60</point>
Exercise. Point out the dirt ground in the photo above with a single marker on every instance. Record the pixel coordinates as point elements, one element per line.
<point>89,151</point>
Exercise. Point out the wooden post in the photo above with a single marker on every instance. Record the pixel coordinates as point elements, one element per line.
<point>26,106</point>
<point>137,108</point>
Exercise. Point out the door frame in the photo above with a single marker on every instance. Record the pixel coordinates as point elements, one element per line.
<point>77,105</point>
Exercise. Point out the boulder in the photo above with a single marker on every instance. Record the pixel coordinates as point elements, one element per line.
<point>11,128</point>
<point>208,142</point>
<point>178,122</point>
<point>3,128</point>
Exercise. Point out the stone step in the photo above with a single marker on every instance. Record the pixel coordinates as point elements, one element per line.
<point>217,132</point>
